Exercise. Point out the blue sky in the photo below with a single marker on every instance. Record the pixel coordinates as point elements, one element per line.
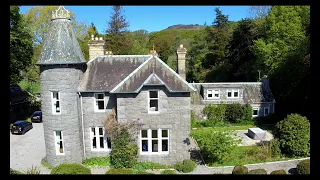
<point>154,18</point>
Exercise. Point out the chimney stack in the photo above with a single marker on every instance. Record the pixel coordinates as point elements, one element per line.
<point>97,47</point>
<point>181,69</point>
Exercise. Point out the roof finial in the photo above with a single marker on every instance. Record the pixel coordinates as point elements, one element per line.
<point>60,13</point>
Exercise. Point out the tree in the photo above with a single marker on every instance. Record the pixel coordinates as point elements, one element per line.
<point>241,57</point>
<point>256,12</point>
<point>117,36</point>
<point>140,40</point>
<point>221,19</point>
<point>20,45</point>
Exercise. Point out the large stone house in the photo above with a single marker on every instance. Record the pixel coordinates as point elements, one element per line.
<point>77,95</point>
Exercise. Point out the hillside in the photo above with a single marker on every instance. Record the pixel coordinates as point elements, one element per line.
<point>185,26</point>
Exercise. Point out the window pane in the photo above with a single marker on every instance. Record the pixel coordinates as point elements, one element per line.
<point>229,94</point>
<point>144,133</point>
<point>101,142</point>
<point>165,145</point>
<point>164,133</point>
<point>235,94</point>
<point>94,143</point>
<point>144,145</point>
<point>266,111</point>
<point>153,94</point>
<point>109,143</point>
<point>154,145</point>
<point>100,104</point>
<point>93,130</point>
<point>100,96</point>
<point>153,105</point>
<point>57,106</point>
<point>154,133</point>
<point>61,147</point>
<point>57,95</point>
<point>100,131</point>
<point>216,93</point>
<point>209,95</point>
<point>255,112</point>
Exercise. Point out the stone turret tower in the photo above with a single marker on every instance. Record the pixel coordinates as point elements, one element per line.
<point>61,67</point>
<point>181,53</point>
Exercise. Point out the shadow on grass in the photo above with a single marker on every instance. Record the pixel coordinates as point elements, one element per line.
<point>195,156</point>
<point>292,171</point>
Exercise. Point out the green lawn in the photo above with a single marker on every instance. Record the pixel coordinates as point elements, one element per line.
<point>242,155</point>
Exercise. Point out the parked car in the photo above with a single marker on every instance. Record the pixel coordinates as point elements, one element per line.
<point>36,116</point>
<point>21,127</point>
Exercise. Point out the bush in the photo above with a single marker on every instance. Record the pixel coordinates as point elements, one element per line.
<point>281,171</point>
<point>303,167</point>
<point>168,171</point>
<point>125,171</point>
<point>293,134</point>
<point>14,172</point>
<point>70,169</point>
<point>215,112</point>
<point>195,123</point>
<point>185,166</point>
<point>235,112</point>
<point>103,161</point>
<point>271,118</point>
<point>124,153</point>
<point>215,145</point>
<point>240,169</point>
<point>257,171</point>
<point>275,148</point>
<point>149,165</point>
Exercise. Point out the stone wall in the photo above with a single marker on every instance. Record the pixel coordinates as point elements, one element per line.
<point>94,119</point>
<point>65,79</point>
<point>174,114</point>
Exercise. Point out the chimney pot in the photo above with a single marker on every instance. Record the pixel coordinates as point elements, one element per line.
<point>100,38</point>
<point>181,45</point>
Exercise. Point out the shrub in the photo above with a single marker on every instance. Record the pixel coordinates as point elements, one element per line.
<point>124,153</point>
<point>70,169</point>
<point>125,171</point>
<point>195,123</point>
<point>281,171</point>
<point>303,167</point>
<point>168,171</point>
<point>14,172</point>
<point>149,165</point>
<point>215,145</point>
<point>247,116</point>
<point>271,118</point>
<point>293,134</point>
<point>235,112</point>
<point>185,166</point>
<point>215,112</point>
<point>240,169</point>
<point>275,148</point>
<point>257,171</point>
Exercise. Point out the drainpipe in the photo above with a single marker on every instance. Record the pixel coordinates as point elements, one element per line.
<point>84,146</point>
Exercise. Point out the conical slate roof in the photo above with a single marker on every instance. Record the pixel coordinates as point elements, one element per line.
<point>60,43</point>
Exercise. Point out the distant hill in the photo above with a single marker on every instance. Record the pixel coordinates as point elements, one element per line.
<point>185,26</point>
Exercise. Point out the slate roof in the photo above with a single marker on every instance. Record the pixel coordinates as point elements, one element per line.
<point>60,44</point>
<point>128,73</point>
<point>254,92</point>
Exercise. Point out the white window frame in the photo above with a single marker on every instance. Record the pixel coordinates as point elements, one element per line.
<point>149,99</point>
<point>232,93</point>
<point>54,102</point>
<point>264,111</point>
<point>149,139</point>
<point>97,136</point>
<point>95,101</point>
<point>213,92</point>
<point>58,141</point>
<point>257,112</point>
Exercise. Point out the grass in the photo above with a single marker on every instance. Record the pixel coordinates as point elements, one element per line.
<point>243,155</point>
<point>45,164</point>
<point>149,165</point>
<point>32,170</point>
<point>103,161</point>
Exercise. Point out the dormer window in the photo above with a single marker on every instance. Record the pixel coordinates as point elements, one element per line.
<point>153,102</point>
<point>213,94</point>
<point>233,93</point>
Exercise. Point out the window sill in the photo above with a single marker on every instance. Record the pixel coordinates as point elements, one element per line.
<point>99,111</point>
<point>100,150</point>
<point>153,154</point>
<point>153,112</point>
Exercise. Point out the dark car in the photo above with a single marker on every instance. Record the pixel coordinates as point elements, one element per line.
<point>21,127</point>
<point>36,116</point>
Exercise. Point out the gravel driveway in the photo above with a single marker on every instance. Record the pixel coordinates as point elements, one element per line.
<point>28,150</point>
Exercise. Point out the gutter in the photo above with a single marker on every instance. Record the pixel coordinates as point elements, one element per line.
<point>84,146</point>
